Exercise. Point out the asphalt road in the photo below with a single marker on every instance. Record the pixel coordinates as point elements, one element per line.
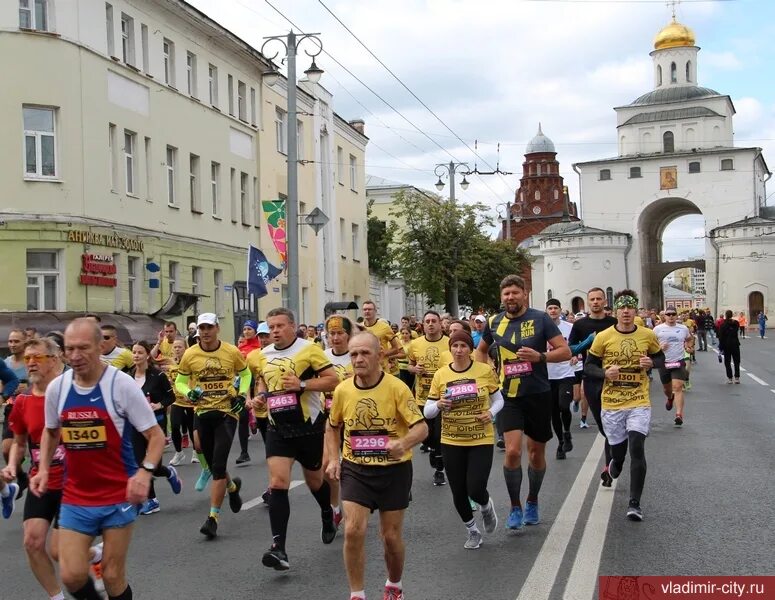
<point>707,506</point>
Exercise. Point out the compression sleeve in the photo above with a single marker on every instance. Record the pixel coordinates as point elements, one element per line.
<point>583,345</point>
<point>181,384</point>
<point>9,379</point>
<point>431,409</point>
<point>659,359</point>
<point>245,378</point>
<point>496,403</point>
<point>593,366</point>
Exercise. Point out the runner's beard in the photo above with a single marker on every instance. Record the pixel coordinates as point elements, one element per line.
<point>513,308</point>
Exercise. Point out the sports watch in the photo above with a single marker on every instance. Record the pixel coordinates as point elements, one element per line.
<point>148,466</point>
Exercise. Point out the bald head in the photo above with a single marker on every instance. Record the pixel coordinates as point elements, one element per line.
<point>85,326</point>
<point>365,357</point>
<point>367,338</point>
<point>82,349</point>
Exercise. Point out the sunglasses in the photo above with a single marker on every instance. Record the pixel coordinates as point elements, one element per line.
<point>670,314</point>
<point>37,357</point>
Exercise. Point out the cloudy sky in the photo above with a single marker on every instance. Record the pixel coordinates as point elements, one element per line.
<point>490,70</point>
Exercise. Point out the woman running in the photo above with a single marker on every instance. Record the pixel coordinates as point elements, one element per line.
<point>403,363</point>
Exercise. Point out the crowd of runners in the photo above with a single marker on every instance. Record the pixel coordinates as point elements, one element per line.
<point>87,420</point>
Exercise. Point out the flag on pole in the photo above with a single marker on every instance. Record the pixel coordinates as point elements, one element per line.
<point>260,272</point>
<point>274,213</point>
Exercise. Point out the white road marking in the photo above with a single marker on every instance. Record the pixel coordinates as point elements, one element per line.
<point>583,575</point>
<point>540,580</point>
<point>757,380</point>
<point>256,501</point>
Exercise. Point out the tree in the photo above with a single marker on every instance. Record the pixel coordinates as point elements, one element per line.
<point>484,268</point>
<point>379,241</point>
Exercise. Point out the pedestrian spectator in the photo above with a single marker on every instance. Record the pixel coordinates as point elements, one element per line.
<point>476,334</point>
<point>761,318</point>
<point>191,339</point>
<point>729,344</point>
<point>743,323</point>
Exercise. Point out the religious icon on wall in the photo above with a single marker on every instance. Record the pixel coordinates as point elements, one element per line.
<point>668,178</point>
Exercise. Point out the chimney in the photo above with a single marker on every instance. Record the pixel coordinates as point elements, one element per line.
<point>359,125</point>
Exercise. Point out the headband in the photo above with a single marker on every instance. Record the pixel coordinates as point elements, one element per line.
<point>337,322</point>
<point>626,301</point>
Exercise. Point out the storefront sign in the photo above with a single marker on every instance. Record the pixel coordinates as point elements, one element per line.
<point>113,240</point>
<point>98,269</point>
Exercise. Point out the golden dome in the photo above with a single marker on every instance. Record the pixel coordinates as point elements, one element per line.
<point>674,35</point>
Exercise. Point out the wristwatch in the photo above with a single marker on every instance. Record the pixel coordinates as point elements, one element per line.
<point>302,385</point>
<point>542,357</point>
<point>148,466</point>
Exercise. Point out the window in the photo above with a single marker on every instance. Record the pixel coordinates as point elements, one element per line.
<point>340,165</point>
<point>212,82</point>
<point>299,140</point>
<point>112,162</point>
<point>169,62</point>
<point>281,130</point>
<point>133,271</point>
<point>144,47</point>
<point>668,142</point>
<point>242,108</point>
<point>196,280</point>
<point>33,14</point>
<point>635,172</point>
<point>244,198</point>
<point>193,183</point>
<point>304,303</point>
<point>537,194</point>
<point>39,142</point>
<point>673,73</point>
<point>233,194</point>
<point>109,29</point>
<point>694,166</point>
<point>609,296</point>
<point>256,204</point>
<point>173,275</point>
<point>218,291</point>
<point>215,176</point>
<point>727,164</point>
<point>353,173</point>
<point>191,74</point>
<point>117,290</point>
<point>230,90</point>
<point>130,140</point>
<point>342,237</point>
<point>42,280</point>
<point>356,241</point>
<point>659,75</point>
<point>549,294</point>
<point>605,174</point>
<point>127,39</point>
<point>253,120</point>
<point>303,226</point>
<point>688,71</point>
<point>148,168</point>
<point>172,158</point>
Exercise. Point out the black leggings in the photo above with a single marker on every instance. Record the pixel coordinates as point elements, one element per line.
<point>562,395</point>
<point>216,433</point>
<point>407,377</point>
<point>593,390</point>
<point>433,441</point>
<point>243,431</point>
<point>732,355</point>
<point>140,445</point>
<point>637,447</point>
<point>468,469</point>
<point>181,418</point>
<point>262,423</point>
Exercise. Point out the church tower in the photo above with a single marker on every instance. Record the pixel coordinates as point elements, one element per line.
<point>541,199</point>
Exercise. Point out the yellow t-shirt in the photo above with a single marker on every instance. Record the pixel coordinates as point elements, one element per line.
<point>470,392</point>
<point>121,358</point>
<point>384,334</point>
<point>344,369</point>
<point>172,375</point>
<point>372,417</point>
<point>214,373</point>
<point>631,390</point>
<point>294,413</point>
<point>639,321</point>
<point>255,360</point>
<point>165,349</point>
<point>426,354</point>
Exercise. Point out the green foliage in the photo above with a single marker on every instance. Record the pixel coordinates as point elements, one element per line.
<point>483,270</point>
<point>379,241</point>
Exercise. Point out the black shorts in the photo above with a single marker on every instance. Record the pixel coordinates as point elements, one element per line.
<point>562,391</point>
<point>377,488</point>
<point>43,507</point>
<point>307,450</point>
<point>579,375</point>
<point>680,373</point>
<point>531,413</point>
<point>7,433</point>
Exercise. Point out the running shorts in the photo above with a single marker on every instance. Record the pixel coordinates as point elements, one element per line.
<point>377,488</point>
<point>307,450</point>
<point>92,520</point>
<point>43,507</point>
<point>617,423</point>
<point>673,370</point>
<point>531,413</point>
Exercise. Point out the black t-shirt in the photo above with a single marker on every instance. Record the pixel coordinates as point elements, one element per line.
<point>586,325</point>
<point>532,330</point>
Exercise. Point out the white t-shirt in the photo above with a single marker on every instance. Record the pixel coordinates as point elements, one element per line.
<point>562,370</point>
<point>675,337</point>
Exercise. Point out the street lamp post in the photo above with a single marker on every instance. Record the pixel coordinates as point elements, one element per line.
<point>450,169</point>
<point>291,44</point>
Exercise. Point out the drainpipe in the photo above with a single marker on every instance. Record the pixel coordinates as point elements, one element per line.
<point>718,282</point>
<point>581,212</point>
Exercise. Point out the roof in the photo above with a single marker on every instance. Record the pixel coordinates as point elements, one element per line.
<point>748,222</point>
<point>678,154</point>
<point>575,228</point>
<point>674,292</point>
<point>372,181</point>
<point>672,115</point>
<point>539,143</point>
<point>674,93</point>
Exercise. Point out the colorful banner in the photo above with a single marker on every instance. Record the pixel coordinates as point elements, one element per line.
<point>260,272</point>
<point>274,212</point>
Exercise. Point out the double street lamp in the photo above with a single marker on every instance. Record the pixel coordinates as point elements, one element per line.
<point>291,43</point>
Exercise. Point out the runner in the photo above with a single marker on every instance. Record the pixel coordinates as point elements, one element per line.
<point>14,383</point>
<point>381,423</point>
<point>162,352</point>
<point>182,419</point>
<point>562,379</point>
<point>27,421</point>
<point>673,339</point>
<point>250,343</point>
<point>293,374</point>
<point>424,356</point>
<point>381,329</point>
<point>338,331</point>
<point>91,407</point>
<point>521,335</point>
<point>158,392</point>
<point>405,335</point>
<point>210,367</point>
<point>621,355</point>
<point>112,353</point>
<point>468,395</point>
<point>592,325</point>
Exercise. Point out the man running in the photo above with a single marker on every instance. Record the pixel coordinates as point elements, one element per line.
<point>14,363</point>
<point>91,408</point>
<point>673,339</point>
<point>381,329</point>
<point>562,378</point>
<point>591,325</point>
<point>381,423</point>
<point>621,355</point>
<point>210,367</point>
<point>294,372</point>
<point>162,352</point>
<point>522,334</point>
<point>112,353</point>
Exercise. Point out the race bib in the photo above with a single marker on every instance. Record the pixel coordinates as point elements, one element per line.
<point>517,368</point>
<point>57,459</point>
<point>329,400</point>
<point>673,365</point>
<point>282,402</point>
<point>369,443</point>
<point>462,391</point>
<point>628,378</point>
<point>84,435</point>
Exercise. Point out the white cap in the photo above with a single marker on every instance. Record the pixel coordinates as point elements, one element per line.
<point>480,319</point>
<point>191,326</point>
<point>263,328</point>
<point>580,315</point>
<point>207,319</point>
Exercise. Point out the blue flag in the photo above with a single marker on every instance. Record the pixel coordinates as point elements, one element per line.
<point>260,272</point>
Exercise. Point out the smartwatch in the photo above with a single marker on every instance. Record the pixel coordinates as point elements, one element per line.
<point>542,357</point>
<point>148,466</point>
